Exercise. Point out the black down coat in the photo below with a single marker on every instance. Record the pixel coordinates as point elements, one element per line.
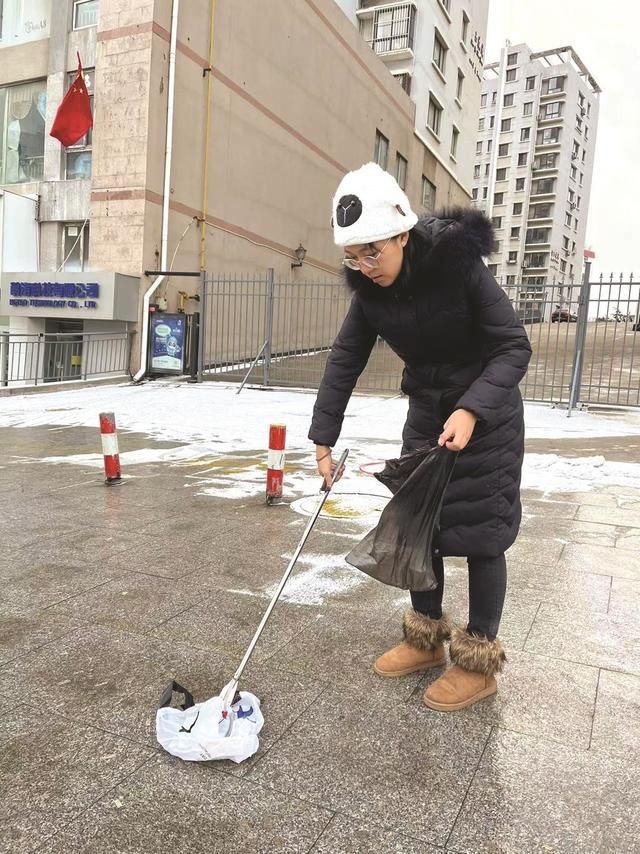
<point>463,347</point>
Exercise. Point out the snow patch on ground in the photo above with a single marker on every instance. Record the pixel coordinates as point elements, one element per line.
<point>318,576</point>
<point>552,473</point>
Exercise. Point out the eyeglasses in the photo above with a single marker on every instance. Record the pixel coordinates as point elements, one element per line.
<point>370,261</point>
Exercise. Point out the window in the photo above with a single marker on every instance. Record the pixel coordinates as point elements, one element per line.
<point>401,170</point>
<point>573,248</point>
<point>455,133</point>
<point>476,170</point>
<point>571,271</point>
<point>513,257</point>
<point>530,84</point>
<point>498,198</point>
<point>552,85</point>
<point>586,133</point>
<point>484,192</point>
<point>540,211</point>
<point>478,148</point>
<point>571,196</point>
<point>22,21</point>
<point>494,98</point>
<point>584,154</point>
<point>574,173</point>
<point>512,59</point>
<point>519,185</point>
<point>381,153</point>
<point>492,121</point>
<point>439,52</point>
<point>486,170</point>
<point>552,110</point>
<point>568,220</point>
<point>511,280</point>
<point>22,120</point>
<point>563,266</point>
<point>543,186</point>
<point>575,226</point>
<point>501,174</point>
<point>434,115</point>
<point>536,259</point>
<point>496,221</point>
<point>548,136</point>
<point>474,193</point>
<point>390,29</point>
<point>517,208</point>
<point>565,244</point>
<point>505,125</point>
<point>525,134</point>
<point>405,81</point>
<point>489,145</point>
<point>446,4</point>
<point>511,75</point>
<point>460,85</point>
<point>75,247</point>
<point>581,178</point>
<point>428,195</point>
<point>522,158</point>
<point>79,156</point>
<point>481,124</point>
<point>483,100</point>
<point>545,161</point>
<point>465,32</point>
<point>579,202</point>
<point>85,14</point>
<point>538,235</point>
<point>508,100</point>
<point>503,150</point>
<point>515,232</point>
<point>528,109</point>
<point>576,150</point>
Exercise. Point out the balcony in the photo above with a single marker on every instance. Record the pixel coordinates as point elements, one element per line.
<point>388,28</point>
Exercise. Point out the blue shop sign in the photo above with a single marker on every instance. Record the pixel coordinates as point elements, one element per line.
<point>54,294</point>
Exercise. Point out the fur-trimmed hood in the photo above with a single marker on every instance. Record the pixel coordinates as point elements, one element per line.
<point>448,244</point>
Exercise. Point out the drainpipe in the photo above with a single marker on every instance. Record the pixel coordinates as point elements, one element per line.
<point>164,240</point>
<point>205,177</point>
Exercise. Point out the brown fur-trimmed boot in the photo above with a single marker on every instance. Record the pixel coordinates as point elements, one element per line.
<point>421,649</point>
<point>475,661</point>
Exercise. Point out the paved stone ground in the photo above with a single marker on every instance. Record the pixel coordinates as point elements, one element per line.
<point>107,593</point>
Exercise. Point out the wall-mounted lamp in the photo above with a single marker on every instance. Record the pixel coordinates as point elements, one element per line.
<point>301,254</point>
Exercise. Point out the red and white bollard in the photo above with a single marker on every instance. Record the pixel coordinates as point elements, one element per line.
<point>109,438</point>
<point>275,462</point>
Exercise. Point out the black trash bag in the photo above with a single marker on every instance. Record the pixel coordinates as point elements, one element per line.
<point>398,550</point>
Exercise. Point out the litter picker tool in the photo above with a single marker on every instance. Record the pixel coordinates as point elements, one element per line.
<point>229,694</point>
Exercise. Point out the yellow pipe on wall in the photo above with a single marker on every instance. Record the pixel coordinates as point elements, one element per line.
<point>205,177</point>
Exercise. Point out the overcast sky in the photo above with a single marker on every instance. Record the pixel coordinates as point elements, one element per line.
<point>605,35</point>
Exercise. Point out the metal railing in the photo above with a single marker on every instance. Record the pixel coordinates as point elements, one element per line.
<point>62,357</point>
<point>585,338</point>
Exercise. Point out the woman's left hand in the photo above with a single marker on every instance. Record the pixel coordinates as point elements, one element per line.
<point>458,430</point>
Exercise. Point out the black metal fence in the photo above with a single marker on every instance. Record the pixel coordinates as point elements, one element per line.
<point>61,357</point>
<point>585,338</point>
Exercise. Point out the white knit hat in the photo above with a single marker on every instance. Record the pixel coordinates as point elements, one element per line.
<point>369,206</point>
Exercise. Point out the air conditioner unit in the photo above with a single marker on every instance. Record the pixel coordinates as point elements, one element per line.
<point>583,112</point>
<point>574,155</point>
<point>512,261</point>
<point>572,205</point>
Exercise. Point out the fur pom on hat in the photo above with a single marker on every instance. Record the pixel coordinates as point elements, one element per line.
<point>369,206</point>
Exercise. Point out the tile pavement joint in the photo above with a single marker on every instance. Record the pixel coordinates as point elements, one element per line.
<point>106,794</point>
<point>595,707</point>
<point>610,591</point>
<point>535,617</point>
<point>321,834</point>
<point>466,794</point>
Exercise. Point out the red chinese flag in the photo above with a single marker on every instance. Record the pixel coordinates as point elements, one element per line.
<point>73,118</point>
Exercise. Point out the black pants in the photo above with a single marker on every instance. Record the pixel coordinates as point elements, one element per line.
<point>487,586</point>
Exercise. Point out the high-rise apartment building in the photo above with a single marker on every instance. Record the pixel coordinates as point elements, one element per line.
<point>435,49</point>
<point>534,162</point>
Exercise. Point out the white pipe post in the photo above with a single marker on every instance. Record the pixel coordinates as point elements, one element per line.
<point>164,240</point>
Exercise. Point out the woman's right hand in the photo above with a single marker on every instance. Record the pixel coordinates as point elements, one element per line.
<point>326,465</point>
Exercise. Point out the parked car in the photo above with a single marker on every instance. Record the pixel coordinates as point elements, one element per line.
<point>564,315</point>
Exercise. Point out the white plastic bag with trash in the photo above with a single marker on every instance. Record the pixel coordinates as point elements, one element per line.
<point>199,732</point>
